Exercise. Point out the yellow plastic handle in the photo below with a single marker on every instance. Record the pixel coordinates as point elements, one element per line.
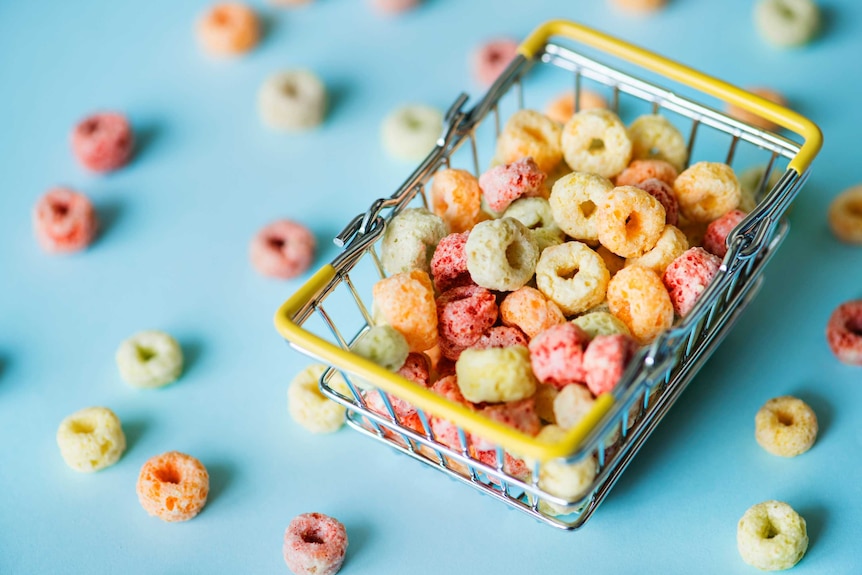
<point>808,130</point>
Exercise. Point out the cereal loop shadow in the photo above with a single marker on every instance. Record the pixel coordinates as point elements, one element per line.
<point>133,430</point>
<point>222,474</point>
<point>192,352</point>
<point>816,519</point>
<point>110,212</point>
<point>822,409</point>
<point>359,536</point>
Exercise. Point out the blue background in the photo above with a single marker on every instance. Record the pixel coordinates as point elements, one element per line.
<point>173,256</point>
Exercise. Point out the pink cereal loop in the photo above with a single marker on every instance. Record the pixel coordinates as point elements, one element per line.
<point>315,544</point>
<point>392,7</point>
<point>283,249</point>
<point>642,170</point>
<point>64,221</point>
<point>501,336</point>
<point>503,184</point>
<point>717,231</point>
<point>664,194</point>
<point>688,276</point>
<point>844,332</point>
<point>449,263</point>
<point>103,141</point>
<point>557,355</point>
<point>463,315</point>
<point>605,360</point>
<point>491,59</point>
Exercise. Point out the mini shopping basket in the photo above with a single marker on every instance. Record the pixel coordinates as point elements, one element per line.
<point>331,310</point>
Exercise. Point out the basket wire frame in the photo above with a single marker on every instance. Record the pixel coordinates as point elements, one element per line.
<point>659,372</point>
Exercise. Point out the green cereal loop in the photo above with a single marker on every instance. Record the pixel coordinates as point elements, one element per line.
<point>410,239</point>
<point>150,359</point>
<point>384,345</point>
<point>787,22</point>
<point>501,254</point>
<point>772,536</point>
<point>535,214</point>
<point>601,323</point>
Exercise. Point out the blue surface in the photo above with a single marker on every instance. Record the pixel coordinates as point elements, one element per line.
<point>173,256</point>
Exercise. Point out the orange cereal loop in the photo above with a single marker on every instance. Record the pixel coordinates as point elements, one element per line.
<point>528,309</point>
<point>706,191</point>
<point>637,296</point>
<point>562,108</point>
<point>755,119</point>
<point>629,221</point>
<point>530,133</point>
<point>456,197</point>
<point>173,486</point>
<point>669,246</point>
<point>640,5</point>
<point>640,171</point>
<point>406,302</point>
<point>845,215</point>
<point>228,29</point>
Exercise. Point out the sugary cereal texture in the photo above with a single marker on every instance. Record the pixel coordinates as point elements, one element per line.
<point>150,359</point>
<point>383,345</point>
<point>845,215</point>
<point>605,360</point>
<point>787,23</point>
<point>569,481</point>
<point>744,115</point>
<point>283,249</point>
<point>574,199</point>
<point>563,107</point>
<point>537,216</point>
<point>528,309</point>
<point>706,191</point>
<point>572,276</point>
<point>91,439</point>
<point>410,239</point>
<point>406,302</point>
<point>772,536</point>
<point>637,296</point>
<point>520,415</point>
<point>103,142</point>
<point>457,198</point>
<point>463,315</point>
<point>495,374</point>
<point>670,245</point>
<point>785,426</point>
<point>595,141</point>
<point>688,276</point>
<point>629,221</point>
<point>491,59</point>
<point>505,183</point>
<point>411,131</point>
<point>717,231</point>
<point>64,221</point>
<point>309,407</point>
<point>600,323</point>
<point>501,336</point>
<point>844,332</point>
<point>292,100</point>
<point>314,544</point>
<point>528,133</point>
<point>557,355</point>
<point>571,405</point>
<point>173,486</point>
<point>501,254</point>
<point>663,192</point>
<point>445,431</point>
<point>642,170</point>
<point>228,29</point>
<point>654,137</point>
<point>449,263</point>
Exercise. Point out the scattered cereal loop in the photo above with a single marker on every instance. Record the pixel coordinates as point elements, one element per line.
<point>173,486</point>
<point>785,426</point>
<point>307,405</point>
<point>411,131</point>
<point>315,544</point>
<point>492,58</point>
<point>283,249</point>
<point>91,439</point>
<point>771,536</point>
<point>787,23</point>
<point>844,332</point>
<point>103,142</point>
<point>845,216</point>
<point>64,221</point>
<point>292,100</point>
<point>150,359</point>
<point>228,29</point>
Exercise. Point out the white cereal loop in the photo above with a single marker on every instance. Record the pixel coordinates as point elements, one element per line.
<point>536,215</point>
<point>150,359</point>
<point>530,133</point>
<point>384,345</point>
<point>501,254</point>
<point>565,480</point>
<point>410,239</point>
<point>292,100</point>
<point>601,323</point>
<point>571,405</point>
<point>309,407</point>
<point>772,536</point>
<point>655,138</point>
<point>670,245</point>
<point>706,191</point>
<point>787,22</point>
<point>596,141</point>
<point>411,132</point>
<point>629,221</point>
<point>574,199</point>
<point>91,439</point>
<point>572,276</point>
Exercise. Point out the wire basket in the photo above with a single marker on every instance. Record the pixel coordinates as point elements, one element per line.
<point>331,310</point>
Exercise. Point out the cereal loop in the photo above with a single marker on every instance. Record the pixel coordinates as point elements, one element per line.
<point>463,315</point>
<point>706,191</point>
<point>228,29</point>
<point>537,216</point>
<point>528,309</point>
<point>785,426</point>
<point>664,194</point>
<point>605,360</point>
<point>501,336</point>
<point>503,184</point>
<point>410,239</point>
<point>573,202</point>
<point>307,405</point>
<point>715,239</point>
<point>598,323</point>
<point>495,374</point>
<point>637,296</point>
<point>103,142</point>
<point>410,132</point>
<point>595,141</point>
<point>449,263</point>
<point>292,100</point>
<point>501,254</point>
<point>844,332</point>
<point>528,133</point>
<point>64,221</point>
<point>787,23</point>
<point>572,276</point>
<point>406,302</point>
<point>314,544</point>
<point>383,345</point>
<point>173,486</point>
<point>845,215</point>
<point>655,138</point>
<point>283,249</point>
<point>641,170</point>
<point>445,431</point>
<point>562,108</point>
<point>457,198</point>
<point>670,245</point>
<point>640,5</point>
<point>520,415</point>
<point>571,404</point>
<point>150,359</point>
<point>771,536</point>
<point>491,59</point>
<point>629,221</point>
<point>91,439</point>
<point>557,355</point>
<point>688,276</point>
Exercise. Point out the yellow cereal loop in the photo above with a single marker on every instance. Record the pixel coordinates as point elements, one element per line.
<point>669,246</point>
<point>772,536</point>
<point>629,221</point>
<point>601,323</point>
<point>785,426</point>
<point>309,407</point>
<point>529,133</point>
<point>384,345</point>
<point>637,296</point>
<point>501,254</point>
<point>706,191</point>
<point>565,480</point>
<point>574,199</point>
<point>495,374</point>
<point>91,439</point>
<point>572,276</point>
<point>655,138</point>
<point>596,141</point>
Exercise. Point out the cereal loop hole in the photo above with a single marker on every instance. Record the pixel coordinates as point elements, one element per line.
<point>515,254</point>
<point>275,243</point>
<point>60,209</point>
<point>587,208</point>
<point>784,418</point>
<point>769,530</point>
<point>596,145</point>
<point>220,17</point>
<point>145,354</point>
<point>81,426</point>
<point>168,474</point>
<point>312,536</point>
